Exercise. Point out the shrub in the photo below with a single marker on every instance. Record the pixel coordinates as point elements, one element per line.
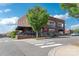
<point>13,34</point>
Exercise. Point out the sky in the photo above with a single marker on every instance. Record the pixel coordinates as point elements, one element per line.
<point>11,12</point>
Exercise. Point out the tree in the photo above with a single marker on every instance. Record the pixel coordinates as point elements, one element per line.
<point>72,8</point>
<point>76,30</point>
<point>38,18</point>
<point>12,34</point>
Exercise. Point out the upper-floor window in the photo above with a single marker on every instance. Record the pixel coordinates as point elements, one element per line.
<point>60,24</point>
<point>51,24</point>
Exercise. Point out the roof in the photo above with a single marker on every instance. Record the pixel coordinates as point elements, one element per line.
<point>56,19</point>
<point>24,22</point>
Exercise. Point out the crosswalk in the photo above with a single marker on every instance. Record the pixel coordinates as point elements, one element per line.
<point>47,44</point>
<point>53,45</point>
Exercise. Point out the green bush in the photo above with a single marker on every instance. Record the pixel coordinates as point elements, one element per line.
<point>13,34</point>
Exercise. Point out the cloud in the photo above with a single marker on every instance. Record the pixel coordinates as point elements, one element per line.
<point>9,21</point>
<point>65,16</point>
<point>1,11</point>
<point>5,28</point>
<point>5,10</point>
<point>8,24</point>
<point>75,26</point>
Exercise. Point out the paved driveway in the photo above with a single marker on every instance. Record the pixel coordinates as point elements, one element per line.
<point>32,47</point>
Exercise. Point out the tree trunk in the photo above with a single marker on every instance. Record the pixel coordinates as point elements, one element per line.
<point>37,35</point>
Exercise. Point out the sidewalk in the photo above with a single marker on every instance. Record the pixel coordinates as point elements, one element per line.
<point>67,50</point>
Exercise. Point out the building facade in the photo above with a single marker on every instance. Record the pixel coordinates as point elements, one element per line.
<point>54,26</point>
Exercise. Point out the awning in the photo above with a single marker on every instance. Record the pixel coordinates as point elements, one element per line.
<point>21,28</point>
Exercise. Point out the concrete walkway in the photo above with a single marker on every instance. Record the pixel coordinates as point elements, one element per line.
<point>67,50</point>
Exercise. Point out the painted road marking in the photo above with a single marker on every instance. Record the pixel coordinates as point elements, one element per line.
<point>40,44</point>
<point>50,45</point>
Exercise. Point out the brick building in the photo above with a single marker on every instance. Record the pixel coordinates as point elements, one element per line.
<point>54,26</point>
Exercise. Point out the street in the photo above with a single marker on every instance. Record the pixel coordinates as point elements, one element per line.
<point>32,47</point>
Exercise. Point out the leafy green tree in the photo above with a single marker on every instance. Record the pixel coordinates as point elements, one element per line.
<point>76,30</point>
<point>72,8</point>
<point>38,18</point>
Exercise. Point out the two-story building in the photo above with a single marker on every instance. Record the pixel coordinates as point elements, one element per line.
<point>54,26</point>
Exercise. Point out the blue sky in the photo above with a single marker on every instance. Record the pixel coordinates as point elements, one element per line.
<point>10,13</point>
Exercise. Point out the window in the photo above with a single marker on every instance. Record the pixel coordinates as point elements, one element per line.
<point>51,24</point>
<point>60,24</point>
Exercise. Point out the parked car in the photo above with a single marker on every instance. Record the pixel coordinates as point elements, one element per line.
<point>75,34</point>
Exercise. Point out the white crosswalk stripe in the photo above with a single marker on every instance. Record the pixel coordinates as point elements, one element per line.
<point>45,43</point>
<point>39,44</point>
<point>49,44</point>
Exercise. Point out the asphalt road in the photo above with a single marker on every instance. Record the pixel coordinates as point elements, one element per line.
<point>9,47</point>
<point>21,49</point>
